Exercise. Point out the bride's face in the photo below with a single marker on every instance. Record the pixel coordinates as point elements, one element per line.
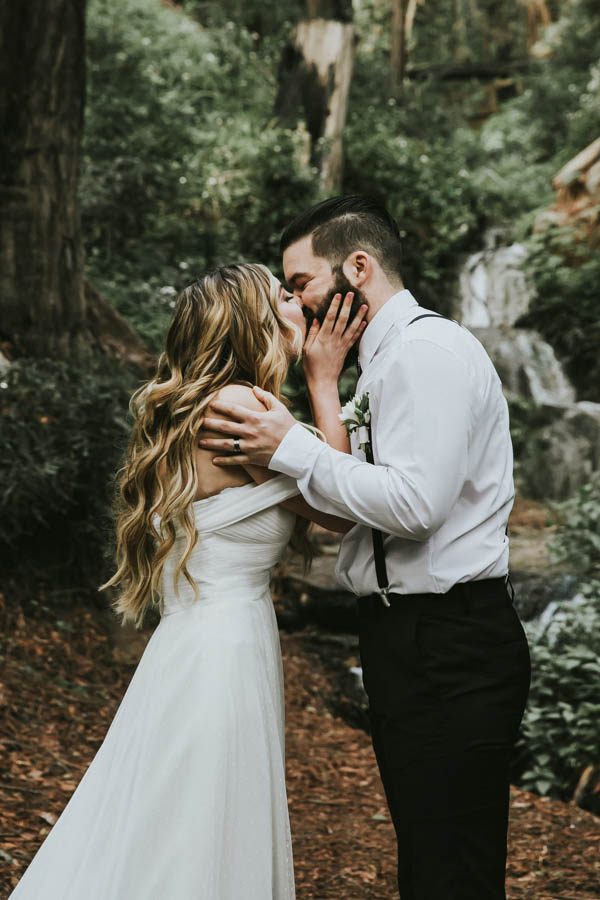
<point>290,308</point>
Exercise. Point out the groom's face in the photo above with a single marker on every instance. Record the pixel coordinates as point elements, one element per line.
<point>314,282</point>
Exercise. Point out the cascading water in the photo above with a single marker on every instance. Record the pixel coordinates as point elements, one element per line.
<point>494,294</point>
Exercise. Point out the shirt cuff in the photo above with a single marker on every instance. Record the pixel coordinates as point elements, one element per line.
<point>297,453</point>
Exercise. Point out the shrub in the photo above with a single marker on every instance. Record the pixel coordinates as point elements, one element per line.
<point>565,272</point>
<point>426,183</point>
<point>64,429</point>
<point>184,167</point>
<point>560,734</point>
<point>577,541</point>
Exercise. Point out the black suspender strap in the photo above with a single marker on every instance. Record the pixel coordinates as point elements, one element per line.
<point>377,537</point>
<point>431,316</point>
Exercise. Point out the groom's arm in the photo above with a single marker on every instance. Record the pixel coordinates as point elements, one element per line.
<point>239,393</point>
<point>423,424</point>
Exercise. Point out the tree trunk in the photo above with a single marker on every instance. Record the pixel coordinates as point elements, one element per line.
<point>42,71</point>
<point>538,18</point>
<point>314,82</point>
<point>108,330</point>
<point>398,47</point>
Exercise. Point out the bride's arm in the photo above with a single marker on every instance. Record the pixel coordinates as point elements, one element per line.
<point>326,408</point>
<point>323,356</point>
<point>238,393</point>
<point>299,506</point>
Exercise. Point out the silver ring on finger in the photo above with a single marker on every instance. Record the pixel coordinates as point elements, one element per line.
<point>236,445</point>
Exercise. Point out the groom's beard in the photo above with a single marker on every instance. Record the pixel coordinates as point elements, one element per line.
<point>342,286</point>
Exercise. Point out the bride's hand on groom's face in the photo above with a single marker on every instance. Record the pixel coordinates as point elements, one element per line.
<point>327,345</point>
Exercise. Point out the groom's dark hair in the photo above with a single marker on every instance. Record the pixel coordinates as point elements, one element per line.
<point>341,225</point>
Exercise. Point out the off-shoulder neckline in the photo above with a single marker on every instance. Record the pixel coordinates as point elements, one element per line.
<point>233,487</point>
<point>253,485</point>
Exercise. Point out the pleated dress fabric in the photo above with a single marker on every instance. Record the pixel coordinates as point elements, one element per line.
<point>185,798</point>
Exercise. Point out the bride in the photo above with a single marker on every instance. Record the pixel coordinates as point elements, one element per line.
<point>186,797</point>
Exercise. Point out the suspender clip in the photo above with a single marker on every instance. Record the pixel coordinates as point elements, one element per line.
<point>384,591</point>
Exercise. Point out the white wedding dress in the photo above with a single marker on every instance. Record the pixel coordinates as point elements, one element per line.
<point>185,798</point>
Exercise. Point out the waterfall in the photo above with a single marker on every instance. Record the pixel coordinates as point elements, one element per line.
<point>493,287</point>
<point>564,444</point>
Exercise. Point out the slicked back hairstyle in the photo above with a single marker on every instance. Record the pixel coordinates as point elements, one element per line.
<point>341,225</point>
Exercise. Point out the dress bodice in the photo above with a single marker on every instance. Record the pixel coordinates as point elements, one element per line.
<point>242,532</point>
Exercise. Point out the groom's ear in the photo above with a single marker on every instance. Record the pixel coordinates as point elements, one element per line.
<point>358,268</point>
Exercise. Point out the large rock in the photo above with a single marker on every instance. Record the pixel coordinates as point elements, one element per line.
<point>535,592</point>
<point>561,455</point>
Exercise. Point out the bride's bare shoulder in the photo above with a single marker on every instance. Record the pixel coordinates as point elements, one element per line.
<point>239,393</point>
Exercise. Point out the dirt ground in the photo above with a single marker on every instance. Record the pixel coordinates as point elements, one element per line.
<point>62,679</point>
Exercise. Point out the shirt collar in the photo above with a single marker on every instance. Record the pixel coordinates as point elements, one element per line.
<point>394,310</point>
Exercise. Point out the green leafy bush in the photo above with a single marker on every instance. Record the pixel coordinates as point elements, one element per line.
<point>565,272</point>
<point>64,429</point>
<point>577,541</point>
<point>560,734</point>
<point>261,16</point>
<point>184,167</point>
<point>556,116</point>
<point>427,185</point>
<point>526,419</point>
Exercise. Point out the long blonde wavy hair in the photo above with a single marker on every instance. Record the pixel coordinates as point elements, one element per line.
<point>226,328</point>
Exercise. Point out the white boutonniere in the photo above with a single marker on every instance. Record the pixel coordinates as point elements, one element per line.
<point>356,416</point>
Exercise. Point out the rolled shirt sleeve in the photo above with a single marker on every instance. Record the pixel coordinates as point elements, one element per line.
<point>422,409</point>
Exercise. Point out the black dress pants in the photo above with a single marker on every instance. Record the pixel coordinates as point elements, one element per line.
<point>447,676</point>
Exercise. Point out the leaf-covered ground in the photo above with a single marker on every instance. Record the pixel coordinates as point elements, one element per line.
<point>60,684</point>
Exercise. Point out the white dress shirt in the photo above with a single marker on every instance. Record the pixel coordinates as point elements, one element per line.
<point>441,489</point>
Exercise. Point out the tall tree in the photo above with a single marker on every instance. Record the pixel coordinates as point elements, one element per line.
<point>315,74</point>
<point>46,309</point>
<point>398,43</point>
<point>42,70</point>
<point>403,18</point>
<point>538,18</point>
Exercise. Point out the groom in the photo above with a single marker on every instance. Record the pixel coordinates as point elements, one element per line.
<point>445,660</point>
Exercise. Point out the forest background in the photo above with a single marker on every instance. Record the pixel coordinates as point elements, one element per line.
<point>197,130</point>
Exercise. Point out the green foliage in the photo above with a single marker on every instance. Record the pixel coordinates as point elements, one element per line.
<point>562,100</point>
<point>577,541</point>
<point>415,153</point>
<point>556,116</point>
<point>263,17</point>
<point>560,734</point>
<point>427,185</point>
<point>64,429</point>
<point>449,34</point>
<point>565,273</point>
<point>183,167</point>
<point>526,419</point>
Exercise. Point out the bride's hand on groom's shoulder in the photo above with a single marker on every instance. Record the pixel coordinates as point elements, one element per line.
<point>327,345</point>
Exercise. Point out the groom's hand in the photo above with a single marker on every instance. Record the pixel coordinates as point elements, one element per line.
<point>259,433</point>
